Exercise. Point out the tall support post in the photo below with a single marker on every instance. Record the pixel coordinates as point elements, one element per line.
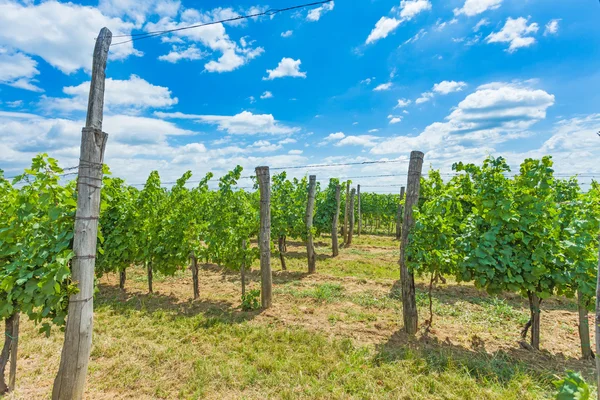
<point>399,216</point>
<point>347,206</point>
<point>358,209</point>
<point>597,326</point>
<point>264,236</point>
<point>70,380</point>
<point>310,210</point>
<point>334,226</point>
<point>413,186</point>
<point>351,218</point>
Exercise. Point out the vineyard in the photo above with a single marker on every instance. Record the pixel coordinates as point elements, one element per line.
<point>505,265</point>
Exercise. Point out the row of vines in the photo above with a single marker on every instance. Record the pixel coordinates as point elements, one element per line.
<point>530,233</point>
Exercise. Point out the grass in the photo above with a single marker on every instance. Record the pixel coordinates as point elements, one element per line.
<point>333,335</point>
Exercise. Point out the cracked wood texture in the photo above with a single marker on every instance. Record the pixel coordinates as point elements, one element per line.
<point>264,237</point>
<point>413,186</point>
<point>70,380</point>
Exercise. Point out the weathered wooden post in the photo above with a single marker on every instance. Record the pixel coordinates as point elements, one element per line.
<point>584,327</point>
<point>70,380</point>
<point>334,226</point>
<point>358,209</point>
<point>597,325</point>
<point>413,186</point>
<point>399,217</point>
<point>194,268</point>
<point>351,218</point>
<point>122,279</point>
<point>243,269</point>
<point>310,209</point>
<point>346,205</point>
<point>14,346</point>
<point>264,237</point>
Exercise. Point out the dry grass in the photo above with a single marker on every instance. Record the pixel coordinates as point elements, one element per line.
<point>336,334</point>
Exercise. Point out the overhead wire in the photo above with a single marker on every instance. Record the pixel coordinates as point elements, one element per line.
<point>270,12</point>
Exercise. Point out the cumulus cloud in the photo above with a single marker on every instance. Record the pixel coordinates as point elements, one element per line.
<point>138,11</point>
<point>395,120</point>
<point>286,67</point>
<point>383,87</point>
<point>287,34</point>
<point>425,97</point>
<point>359,140</point>
<point>516,32</point>
<point>131,95</point>
<point>483,22</point>
<point>403,103</point>
<point>446,87</point>
<point>335,136</point>
<point>552,27</point>
<point>386,25</point>
<point>475,7</point>
<point>494,113</point>
<point>295,152</point>
<point>18,70</point>
<point>266,95</point>
<point>178,54</point>
<point>60,33</point>
<point>417,36</point>
<point>244,123</point>
<point>315,14</point>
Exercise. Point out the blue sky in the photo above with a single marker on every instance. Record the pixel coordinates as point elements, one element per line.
<point>343,82</point>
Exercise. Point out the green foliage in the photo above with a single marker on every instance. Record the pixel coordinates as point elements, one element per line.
<point>36,230</point>
<point>288,206</point>
<point>251,300</point>
<point>326,207</point>
<point>572,387</point>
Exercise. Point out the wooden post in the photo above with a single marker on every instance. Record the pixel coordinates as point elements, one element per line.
<point>584,327</point>
<point>345,228</point>
<point>310,210</point>
<point>358,209</point>
<point>194,268</point>
<point>334,226</point>
<point>413,186</point>
<point>399,217</point>
<point>597,325</point>
<point>70,380</point>
<point>14,346</point>
<point>351,218</point>
<point>243,269</point>
<point>122,279</point>
<point>150,274</point>
<point>264,237</point>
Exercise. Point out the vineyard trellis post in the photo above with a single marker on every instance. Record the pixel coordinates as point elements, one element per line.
<point>334,226</point>
<point>345,227</point>
<point>597,324</point>
<point>310,209</point>
<point>399,217</point>
<point>358,209</point>
<point>413,186</point>
<point>70,379</point>
<point>194,268</point>
<point>264,236</point>
<point>351,218</point>
<point>14,346</point>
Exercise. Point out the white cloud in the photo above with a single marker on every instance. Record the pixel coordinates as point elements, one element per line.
<point>383,87</point>
<point>295,152</point>
<point>446,87</point>
<point>552,27</point>
<point>316,13</point>
<point>359,140</point>
<point>475,7</point>
<point>176,54</point>
<point>243,123</point>
<point>60,33</point>
<point>439,25</point>
<point>266,95</point>
<point>408,10</point>
<point>252,99</point>
<point>483,22</point>
<point>395,120</point>
<point>494,113</point>
<point>516,32</point>
<point>373,130</point>
<point>286,34</point>
<point>14,104</point>
<point>286,67</point>
<point>134,94</point>
<point>214,37</point>
<point>403,103</point>
<point>417,36</point>
<point>287,141</point>
<point>18,70</point>
<point>367,80</point>
<point>335,136</point>
<point>425,97</point>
